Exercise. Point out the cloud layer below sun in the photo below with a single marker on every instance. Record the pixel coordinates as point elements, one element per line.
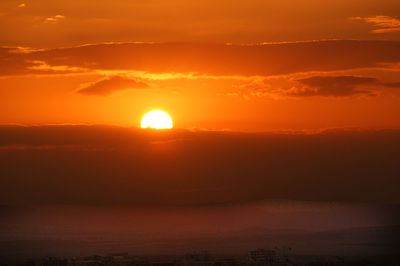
<point>112,165</point>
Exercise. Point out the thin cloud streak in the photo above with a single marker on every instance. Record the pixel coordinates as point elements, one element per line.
<point>54,19</point>
<point>314,86</point>
<point>384,23</point>
<point>110,85</point>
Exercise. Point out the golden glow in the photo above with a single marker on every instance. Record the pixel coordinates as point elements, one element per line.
<point>156,119</point>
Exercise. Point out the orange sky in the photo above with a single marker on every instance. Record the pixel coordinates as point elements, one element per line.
<point>276,104</point>
<point>239,65</point>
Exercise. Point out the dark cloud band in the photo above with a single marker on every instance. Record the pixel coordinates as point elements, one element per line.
<point>112,165</point>
<point>212,59</point>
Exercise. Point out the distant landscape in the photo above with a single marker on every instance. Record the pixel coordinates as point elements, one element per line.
<point>305,227</point>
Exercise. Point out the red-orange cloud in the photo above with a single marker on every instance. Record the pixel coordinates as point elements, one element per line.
<point>110,85</point>
<point>384,24</point>
<point>207,59</point>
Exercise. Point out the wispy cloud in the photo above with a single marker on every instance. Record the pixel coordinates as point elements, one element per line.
<point>321,86</point>
<point>110,85</point>
<point>339,86</point>
<point>43,66</point>
<point>54,19</point>
<point>384,23</point>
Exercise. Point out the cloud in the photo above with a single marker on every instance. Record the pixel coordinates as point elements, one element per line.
<point>384,23</point>
<point>322,86</point>
<point>259,88</point>
<point>22,5</point>
<point>54,19</point>
<point>110,85</point>
<point>392,84</point>
<point>115,165</point>
<point>338,86</point>
<point>211,59</point>
<point>44,67</point>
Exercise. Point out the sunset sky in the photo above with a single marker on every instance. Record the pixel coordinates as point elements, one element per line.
<point>285,114</point>
<point>222,65</point>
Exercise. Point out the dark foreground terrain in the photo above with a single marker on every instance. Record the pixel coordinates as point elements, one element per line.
<point>309,232</point>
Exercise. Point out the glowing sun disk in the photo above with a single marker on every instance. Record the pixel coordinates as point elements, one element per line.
<point>156,119</point>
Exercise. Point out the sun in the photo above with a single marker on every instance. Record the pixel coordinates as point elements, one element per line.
<point>156,119</point>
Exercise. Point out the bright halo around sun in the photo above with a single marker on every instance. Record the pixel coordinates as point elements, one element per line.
<point>156,119</point>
